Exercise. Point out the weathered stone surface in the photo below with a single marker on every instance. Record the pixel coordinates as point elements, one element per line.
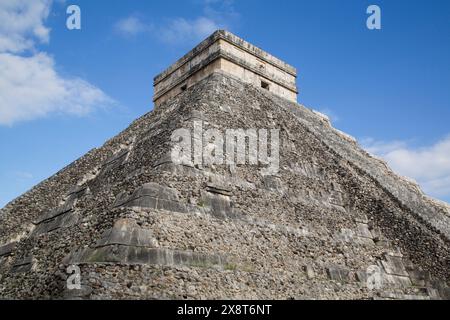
<point>363,231</point>
<point>141,255</point>
<point>127,232</point>
<point>395,281</point>
<point>218,205</point>
<point>273,183</point>
<point>167,239</point>
<point>394,266</point>
<point>219,189</point>
<point>7,249</point>
<point>52,214</point>
<point>339,274</point>
<point>115,160</point>
<point>22,265</point>
<point>56,221</point>
<point>310,272</point>
<point>155,196</point>
<point>78,294</point>
<point>397,296</point>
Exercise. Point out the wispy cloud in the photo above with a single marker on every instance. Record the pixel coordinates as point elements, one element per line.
<point>131,26</point>
<point>23,175</point>
<point>30,87</point>
<point>429,165</point>
<point>216,14</point>
<point>182,30</point>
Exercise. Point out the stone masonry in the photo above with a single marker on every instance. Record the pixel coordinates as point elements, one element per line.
<point>333,223</point>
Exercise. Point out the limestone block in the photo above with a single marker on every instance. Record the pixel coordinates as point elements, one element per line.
<point>274,183</point>
<point>83,293</point>
<point>115,160</point>
<point>155,196</point>
<point>52,214</point>
<point>362,230</point>
<point>396,281</point>
<point>127,232</point>
<point>345,235</point>
<point>399,296</point>
<point>310,271</point>
<point>394,266</point>
<point>361,276</point>
<point>417,277</point>
<point>78,191</point>
<point>141,255</point>
<point>64,220</point>
<point>22,265</point>
<point>362,218</point>
<point>7,249</point>
<point>338,274</point>
<point>218,205</point>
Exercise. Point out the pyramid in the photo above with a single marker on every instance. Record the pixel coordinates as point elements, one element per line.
<point>130,220</point>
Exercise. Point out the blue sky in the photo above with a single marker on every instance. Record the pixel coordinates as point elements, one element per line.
<point>64,92</point>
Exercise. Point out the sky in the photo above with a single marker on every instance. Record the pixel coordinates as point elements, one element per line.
<point>64,92</point>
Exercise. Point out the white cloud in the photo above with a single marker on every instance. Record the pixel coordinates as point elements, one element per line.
<point>30,87</point>
<point>131,26</point>
<point>216,14</point>
<point>183,30</point>
<point>21,23</point>
<point>429,166</point>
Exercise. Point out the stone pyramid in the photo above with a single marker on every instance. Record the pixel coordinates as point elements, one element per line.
<point>126,221</point>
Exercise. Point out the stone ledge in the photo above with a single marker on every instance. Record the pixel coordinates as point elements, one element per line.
<point>122,254</point>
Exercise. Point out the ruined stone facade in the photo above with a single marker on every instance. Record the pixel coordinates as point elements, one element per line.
<point>232,55</point>
<point>330,223</point>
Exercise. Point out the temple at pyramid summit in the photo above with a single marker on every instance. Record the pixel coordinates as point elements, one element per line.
<point>227,53</point>
<point>129,221</point>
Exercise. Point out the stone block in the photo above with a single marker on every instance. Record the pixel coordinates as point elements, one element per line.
<point>364,241</point>
<point>218,205</point>
<point>64,220</point>
<point>400,296</point>
<point>146,256</point>
<point>115,160</point>
<point>362,230</point>
<point>362,276</point>
<point>154,196</point>
<point>77,191</point>
<point>417,278</point>
<point>83,293</point>
<point>345,235</point>
<point>310,274</point>
<point>7,249</point>
<point>127,232</point>
<point>22,265</point>
<point>52,214</point>
<point>273,183</point>
<point>394,266</point>
<point>396,281</point>
<point>361,218</point>
<point>338,274</point>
